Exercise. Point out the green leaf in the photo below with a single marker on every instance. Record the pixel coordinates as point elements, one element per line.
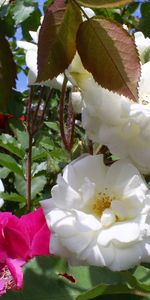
<point>22,10</point>
<point>43,279</point>
<point>10,163</point>
<point>7,23</point>
<point>47,143</point>
<point>12,197</point>
<point>145,56</point>
<point>22,138</point>
<point>37,185</point>
<point>52,125</point>
<point>105,289</point>
<point>142,276</point>
<point>103,3</point>
<point>9,143</point>
<point>37,168</point>
<point>57,39</point>
<point>31,23</point>
<point>20,185</point>
<point>38,153</point>
<point>4,172</point>
<point>3,9</point>
<point>7,72</point>
<point>16,105</point>
<point>145,20</point>
<point>110,55</point>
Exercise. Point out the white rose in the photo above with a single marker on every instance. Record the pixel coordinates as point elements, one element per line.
<point>1,190</point>
<point>99,215</point>
<point>107,106</point>
<point>130,140</point>
<point>142,43</point>
<point>114,120</point>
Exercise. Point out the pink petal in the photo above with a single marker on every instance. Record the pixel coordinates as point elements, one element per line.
<point>4,218</point>
<point>19,241</point>
<point>33,222</point>
<point>40,243</point>
<point>15,267</point>
<point>2,287</point>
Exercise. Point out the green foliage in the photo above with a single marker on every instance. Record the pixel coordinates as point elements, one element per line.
<point>109,53</point>
<point>4,172</point>
<point>145,20</point>
<point>44,279</point>
<point>10,163</point>
<point>37,182</point>
<point>7,72</point>
<point>9,143</point>
<point>23,9</point>
<point>16,105</point>
<point>12,197</point>
<point>32,22</point>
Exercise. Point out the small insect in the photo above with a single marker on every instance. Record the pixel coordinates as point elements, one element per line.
<point>68,277</point>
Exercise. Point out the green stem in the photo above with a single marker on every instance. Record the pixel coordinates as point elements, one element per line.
<point>61,113</point>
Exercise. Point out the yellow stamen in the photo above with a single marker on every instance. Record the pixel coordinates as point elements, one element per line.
<point>99,203</point>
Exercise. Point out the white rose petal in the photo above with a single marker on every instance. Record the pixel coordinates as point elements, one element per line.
<point>76,99</point>
<point>127,258</point>
<point>141,42</point>
<point>117,122</point>
<point>113,120</point>
<point>104,228</point>
<point>1,190</point>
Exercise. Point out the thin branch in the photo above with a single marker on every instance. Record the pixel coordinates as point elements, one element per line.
<point>29,150</point>
<point>29,111</point>
<point>61,113</point>
<point>38,105</point>
<point>41,121</point>
<point>28,173</point>
<point>82,10</point>
<point>70,124</point>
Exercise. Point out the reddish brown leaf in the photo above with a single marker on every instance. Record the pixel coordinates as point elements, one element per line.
<point>68,277</point>
<point>103,3</point>
<point>110,54</point>
<point>8,72</point>
<point>57,39</point>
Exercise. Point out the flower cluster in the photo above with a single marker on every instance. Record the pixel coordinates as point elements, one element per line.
<point>99,215</point>
<point>114,120</point>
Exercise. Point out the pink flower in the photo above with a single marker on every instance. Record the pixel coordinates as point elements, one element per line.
<point>20,240</point>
